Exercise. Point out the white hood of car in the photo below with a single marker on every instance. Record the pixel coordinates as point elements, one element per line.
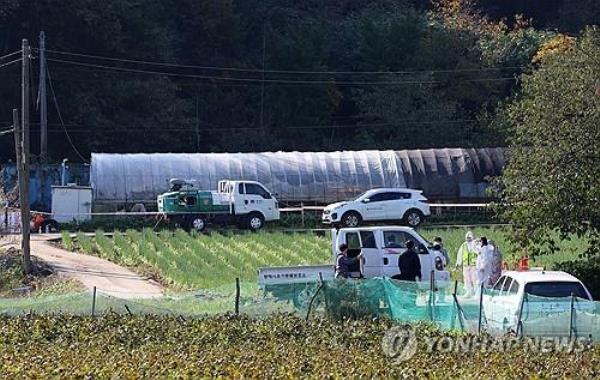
<point>335,205</point>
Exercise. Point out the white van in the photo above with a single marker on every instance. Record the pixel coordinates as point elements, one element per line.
<point>381,246</point>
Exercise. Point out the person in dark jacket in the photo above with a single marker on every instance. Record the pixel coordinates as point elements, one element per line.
<point>409,264</point>
<point>343,262</point>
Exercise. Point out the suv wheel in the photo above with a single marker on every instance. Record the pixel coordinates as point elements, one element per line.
<point>351,219</point>
<point>413,218</point>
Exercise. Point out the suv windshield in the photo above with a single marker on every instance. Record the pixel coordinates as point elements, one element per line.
<point>556,289</point>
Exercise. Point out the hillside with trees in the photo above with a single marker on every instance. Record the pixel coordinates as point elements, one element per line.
<point>188,76</point>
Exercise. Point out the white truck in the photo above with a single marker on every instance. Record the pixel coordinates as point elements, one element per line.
<point>245,203</point>
<point>381,247</point>
<point>534,294</point>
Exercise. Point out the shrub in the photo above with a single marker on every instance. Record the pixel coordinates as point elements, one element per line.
<point>587,270</point>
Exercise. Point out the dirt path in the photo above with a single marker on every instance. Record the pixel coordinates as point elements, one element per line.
<point>107,277</point>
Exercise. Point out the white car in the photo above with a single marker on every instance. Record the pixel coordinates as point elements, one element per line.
<point>540,293</point>
<point>406,205</point>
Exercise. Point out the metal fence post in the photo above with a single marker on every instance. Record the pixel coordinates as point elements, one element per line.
<point>480,308</point>
<point>571,317</point>
<point>237,296</point>
<point>519,322</point>
<point>94,302</point>
<point>432,294</point>
<point>321,284</point>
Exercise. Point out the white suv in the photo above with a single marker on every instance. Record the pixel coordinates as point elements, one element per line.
<point>376,205</point>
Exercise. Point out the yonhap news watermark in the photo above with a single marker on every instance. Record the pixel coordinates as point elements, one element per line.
<point>401,343</point>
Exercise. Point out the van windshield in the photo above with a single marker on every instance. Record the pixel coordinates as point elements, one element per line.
<point>556,289</point>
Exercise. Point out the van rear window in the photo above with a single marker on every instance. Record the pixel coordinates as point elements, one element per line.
<point>556,289</point>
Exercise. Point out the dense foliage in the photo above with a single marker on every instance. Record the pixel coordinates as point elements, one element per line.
<point>552,180</point>
<point>586,270</point>
<point>282,346</point>
<point>444,69</point>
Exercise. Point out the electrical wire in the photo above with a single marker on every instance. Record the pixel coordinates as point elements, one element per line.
<point>61,118</point>
<point>248,70</point>
<point>6,131</point>
<point>11,54</point>
<point>10,63</point>
<point>229,129</point>
<point>258,80</point>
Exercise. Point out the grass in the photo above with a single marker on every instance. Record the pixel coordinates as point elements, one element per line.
<point>40,282</point>
<point>454,237</point>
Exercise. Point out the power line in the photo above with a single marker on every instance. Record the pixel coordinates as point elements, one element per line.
<point>10,63</point>
<point>61,118</point>
<point>258,71</point>
<point>11,54</point>
<point>229,129</point>
<point>258,80</point>
<point>6,131</point>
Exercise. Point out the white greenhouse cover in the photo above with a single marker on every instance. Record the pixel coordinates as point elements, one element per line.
<point>294,176</point>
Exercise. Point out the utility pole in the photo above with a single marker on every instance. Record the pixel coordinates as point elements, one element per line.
<point>43,102</point>
<point>262,86</point>
<point>24,155</point>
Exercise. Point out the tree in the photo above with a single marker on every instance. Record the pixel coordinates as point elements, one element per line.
<point>552,180</point>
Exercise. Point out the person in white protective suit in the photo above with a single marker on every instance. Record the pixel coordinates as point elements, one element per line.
<point>484,264</point>
<point>496,266</point>
<point>466,258</point>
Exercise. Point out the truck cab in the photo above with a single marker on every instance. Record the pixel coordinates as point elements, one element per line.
<point>381,248</point>
<point>247,197</point>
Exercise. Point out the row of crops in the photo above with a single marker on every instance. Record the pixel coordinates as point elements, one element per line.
<point>195,261</point>
<point>280,346</point>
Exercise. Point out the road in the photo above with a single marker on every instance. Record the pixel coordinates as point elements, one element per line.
<point>109,278</point>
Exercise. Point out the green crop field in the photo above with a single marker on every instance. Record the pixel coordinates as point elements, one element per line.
<point>193,261</point>
<point>281,346</point>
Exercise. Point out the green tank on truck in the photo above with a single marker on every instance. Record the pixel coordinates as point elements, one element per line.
<point>248,204</point>
<point>187,201</point>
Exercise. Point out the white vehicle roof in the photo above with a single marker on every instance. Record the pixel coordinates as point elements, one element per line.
<point>380,228</point>
<point>525,277</point>
<point>393,189</point>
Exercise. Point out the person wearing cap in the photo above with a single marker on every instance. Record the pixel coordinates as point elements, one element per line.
<point>467,259</point>
<point>343,262</point>
<point>438,245</point>
<point>409,264</point>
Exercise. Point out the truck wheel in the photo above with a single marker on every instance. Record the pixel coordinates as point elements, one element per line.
<point>351,219</point>
<point>197,223</point>
<point>413,218</point>
<point>255,222</point>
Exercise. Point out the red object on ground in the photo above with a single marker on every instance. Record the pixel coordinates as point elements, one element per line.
<point>38,220</point>
<point>523,263</point>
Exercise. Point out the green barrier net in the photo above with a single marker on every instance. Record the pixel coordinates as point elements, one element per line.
<point>561,317</point>
<point>447,306</point>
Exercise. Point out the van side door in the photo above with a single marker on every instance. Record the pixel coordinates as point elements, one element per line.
<point>370,266</point>
<point>352,239</point>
